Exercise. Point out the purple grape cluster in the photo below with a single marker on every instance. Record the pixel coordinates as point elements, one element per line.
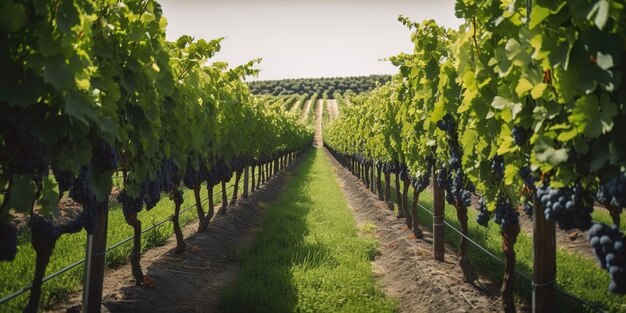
<point>520,135</point>
<point>81,192</point>
<point>527,177</point>
<point>570,207</point>
<point>483,216</point>
<point>505,214</point>
<point>497,167</point>
<point>613,192</point>
<point>104,156</point>
<point>608,246</point>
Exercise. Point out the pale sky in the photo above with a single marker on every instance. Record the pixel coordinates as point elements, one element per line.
<point>306,38</point>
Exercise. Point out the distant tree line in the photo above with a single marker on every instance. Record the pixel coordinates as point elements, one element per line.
<point>330,85</point>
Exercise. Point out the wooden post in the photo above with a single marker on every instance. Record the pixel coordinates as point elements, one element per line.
<point>544,260</point>
<point>438,213</point>
<point>95,261</point>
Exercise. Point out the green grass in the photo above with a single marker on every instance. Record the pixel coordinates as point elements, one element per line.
<point>71,248</point>
<point>307,256</point>
<point>576,274</point>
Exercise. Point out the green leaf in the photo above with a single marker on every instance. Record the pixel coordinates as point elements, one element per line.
<point>12,17</point>
<point>59,74</point>
<point>568,134</point>
<point>469,140</point>
<point>510,173</point>
<point>101,184</point>
<point>591,117</point>
<point>601,11</point>
<point>546,153</point>
<point>538,90</point>
<point>79,109</point>
<point>604,61</point>
<point>67,16</point>
<point>49,197</point>
<point>523,86</point>
<point>500,103</point>
<point>537,15</point>
<point>22,193</point>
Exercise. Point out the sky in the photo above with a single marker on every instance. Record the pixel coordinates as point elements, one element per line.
<point>306,38</point>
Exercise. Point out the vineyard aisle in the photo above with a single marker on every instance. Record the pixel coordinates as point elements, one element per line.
<point>192,281</point>
<point>307,256</point>
<point>305,110</point>
<point>333,109</point>
<point>406,265</point>
<point>319,112</point>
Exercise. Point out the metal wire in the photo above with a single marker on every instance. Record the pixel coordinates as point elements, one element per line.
<point>79,262</point>
<point>523,275</point>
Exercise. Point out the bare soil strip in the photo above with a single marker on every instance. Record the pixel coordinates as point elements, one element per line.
<point>305,110</point>
<point>406,266</point>
<point>319,111</point>
<point>333,109</point>
<point>192,281</point>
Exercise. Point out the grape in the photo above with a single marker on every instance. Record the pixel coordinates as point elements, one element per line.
<point>64,178</point>
<point>8,242</point>
<point>520,135</point>
<point>505,214</point>
<point>570,207</point>
<point>81,192</point>
<point>527,177</point>
<point>613,192</point>
<point>442,177</point>
<point>104,156</point>
<point>151,192</point>
<point>130,205</point>
<point>497,167</point>
<point>420,183</point>
<point>608,246</point>
<point>483,216</point>
<point>404,172</point>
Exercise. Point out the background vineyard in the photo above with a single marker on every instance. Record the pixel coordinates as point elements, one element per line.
<point>521,111</point>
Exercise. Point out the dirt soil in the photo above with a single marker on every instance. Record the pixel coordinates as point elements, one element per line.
<point>319,111</point>
<point>333,109</point>
<point>192,281</point>
<point>406,267</point>
<point>573,241</point>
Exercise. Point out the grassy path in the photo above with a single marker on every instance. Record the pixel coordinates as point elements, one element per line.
<point>307,256</point>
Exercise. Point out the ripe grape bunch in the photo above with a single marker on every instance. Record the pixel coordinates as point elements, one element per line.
<point>570,207</point>
<point>497,167</point>
<point>613,192</point>
<point>505,214</point>
<point>483,216</point>
<point>520,135</point>
<point>81,192</point>
<point>608,246</point>
<point>527,177</point>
